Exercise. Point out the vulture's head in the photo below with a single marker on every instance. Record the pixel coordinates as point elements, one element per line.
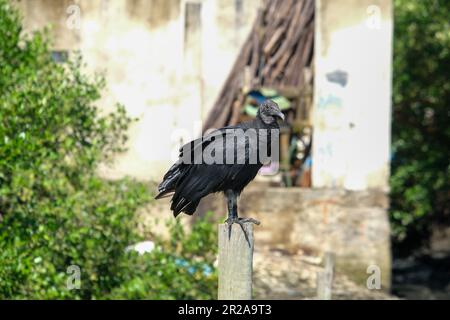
<point>269,111</point>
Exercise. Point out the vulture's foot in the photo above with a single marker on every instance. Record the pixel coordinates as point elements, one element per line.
<point>240,222</point>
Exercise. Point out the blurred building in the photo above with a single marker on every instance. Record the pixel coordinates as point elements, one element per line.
<point>166,61</point>
<point>352,129</point>
<point>345,210</point>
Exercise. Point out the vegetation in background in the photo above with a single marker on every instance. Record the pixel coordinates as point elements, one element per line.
<point>420,179</point>
<point>179,268</point>
<point>54,210</point>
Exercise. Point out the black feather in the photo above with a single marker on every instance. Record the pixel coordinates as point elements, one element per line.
<point>189,182</point>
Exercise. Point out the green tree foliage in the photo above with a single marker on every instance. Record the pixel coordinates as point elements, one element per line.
<point>54,210</point>
<point>421,133</point>
<point>180,268</point>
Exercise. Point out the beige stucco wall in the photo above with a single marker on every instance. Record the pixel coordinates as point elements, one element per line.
<point>166,70</point>
<point>351,146</point>
<point>351,224</point>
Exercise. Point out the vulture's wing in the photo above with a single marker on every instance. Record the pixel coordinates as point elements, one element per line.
<point>199,179</point>
<point>186,157</point>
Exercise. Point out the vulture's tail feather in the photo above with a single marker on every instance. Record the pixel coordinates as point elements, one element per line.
<point>185,206</point>
<point>167,187</point>
<point>164,194</point>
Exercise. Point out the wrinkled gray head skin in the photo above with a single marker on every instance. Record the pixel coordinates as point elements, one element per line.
<point>269,111</point>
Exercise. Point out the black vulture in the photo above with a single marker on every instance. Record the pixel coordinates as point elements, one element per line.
<point>225,160</point>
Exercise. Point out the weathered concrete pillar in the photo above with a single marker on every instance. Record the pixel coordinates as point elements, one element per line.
<point>352,108</point>
<point>351,118</point>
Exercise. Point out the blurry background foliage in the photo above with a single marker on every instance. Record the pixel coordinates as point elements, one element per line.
<point>420,177</point>
<point>54,210</point>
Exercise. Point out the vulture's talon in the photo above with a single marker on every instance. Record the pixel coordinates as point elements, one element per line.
<point>251,220</point>
<point>229,229</point>
<point>240,222</point>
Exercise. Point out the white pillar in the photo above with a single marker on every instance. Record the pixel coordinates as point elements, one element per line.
<point>352,98</point>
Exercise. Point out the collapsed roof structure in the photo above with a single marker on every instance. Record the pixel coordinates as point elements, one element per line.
<point>277,55</point>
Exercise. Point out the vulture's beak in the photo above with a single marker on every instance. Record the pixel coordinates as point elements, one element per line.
<point>280,115</point>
